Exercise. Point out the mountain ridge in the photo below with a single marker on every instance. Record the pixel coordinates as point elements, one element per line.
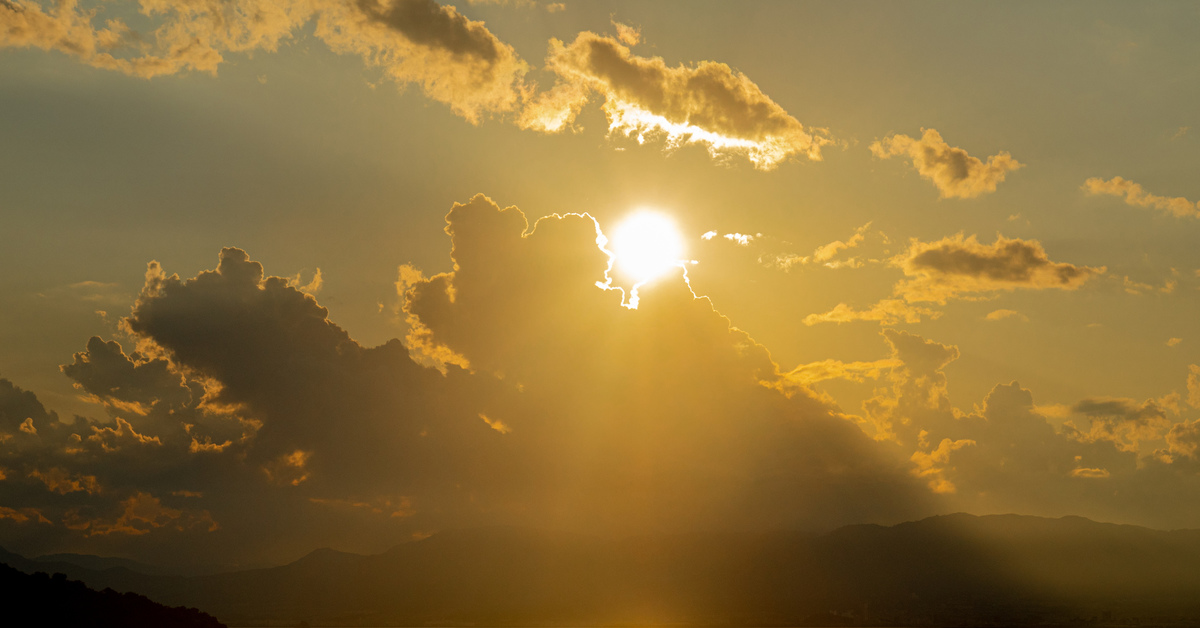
<point>955,568</point>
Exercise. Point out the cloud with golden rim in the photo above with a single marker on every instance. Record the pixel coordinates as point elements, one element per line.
<point>999,315</point>
<point>455,60</point>
<point>884,312</point>
<point>958,267</point>
<point>955,173</point>
<point>256,412</point>
<point>1005,454</point>
<point>1137,196</point>
<point>708,103</point>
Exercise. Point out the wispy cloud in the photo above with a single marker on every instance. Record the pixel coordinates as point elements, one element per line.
<point>1137,196</point>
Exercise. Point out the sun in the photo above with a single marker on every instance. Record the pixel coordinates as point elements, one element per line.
<point>646,245</point>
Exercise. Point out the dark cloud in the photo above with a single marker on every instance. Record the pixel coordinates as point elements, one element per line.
<point>257,418</point>
<point>105,371</point>
<point>427,23</point>
<point>957,267</point>
<point>248,421</point>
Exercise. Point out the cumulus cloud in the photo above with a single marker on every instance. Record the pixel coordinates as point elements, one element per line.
<point>245,408</point>
<point>1005,455</point>
<point>521,304</point>
<point>1137,196</point>
<point>455,60</point>
<point>955,173</point>
<point>708,103</point>
<point>86,478</point>
<point>958,267</point>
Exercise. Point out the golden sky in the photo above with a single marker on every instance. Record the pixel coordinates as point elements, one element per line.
<point>284,274</point>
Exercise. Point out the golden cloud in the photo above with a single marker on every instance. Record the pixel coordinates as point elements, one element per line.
<point>885,312</point>
<point>455,60</point>
<point>708,104</point>
<point>955,173</point>
<point>1137,196</point>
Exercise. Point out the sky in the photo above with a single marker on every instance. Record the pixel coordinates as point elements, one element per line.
<point>288,274</point>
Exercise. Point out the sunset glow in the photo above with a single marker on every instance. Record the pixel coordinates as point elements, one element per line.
<point>609,313</point>
<point>646,245</point>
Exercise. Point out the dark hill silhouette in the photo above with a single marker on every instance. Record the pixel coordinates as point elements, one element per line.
<point>954,569</point>
<point>42,600</point>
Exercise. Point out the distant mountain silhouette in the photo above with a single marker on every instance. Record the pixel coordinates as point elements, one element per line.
<point>42,600</point>
<point>954,569</point>
<point>101,563</point>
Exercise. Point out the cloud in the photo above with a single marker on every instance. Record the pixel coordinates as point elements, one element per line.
<point>1124,422</point>
<point>957,267</point>
<point>628,35</point>
<point>807,374</point>
<point>455,60</point>
<point>1137,196</point>
<point>885,312</point>
<point>521,303</point>
<point>140,514</point>
<point>955,173</point>
<point>708,103</point>
<point>999,315</point>
<point>827,252</point>
<point>931,465</point>
<point>739,238</point>
<point>61,481</point>
<point>1183,439</point>
<point>824,254</point>
<point>1193,385</point>
<point>1173,342</point>
<point>1088,472</point>
<point>256,413</point>
<point>1006,456</point>
<point>127,382</point>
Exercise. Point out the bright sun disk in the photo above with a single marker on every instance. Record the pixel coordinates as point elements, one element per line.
<point>646,245</point>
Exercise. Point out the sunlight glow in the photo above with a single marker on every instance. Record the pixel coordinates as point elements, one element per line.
<point>647,245</point>
<point>634,121</point>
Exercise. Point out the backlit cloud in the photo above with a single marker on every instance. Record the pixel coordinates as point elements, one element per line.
<point>256,412</point>
<point>955,173</point>
<point>1137,196</point>
<point>708,104</point>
